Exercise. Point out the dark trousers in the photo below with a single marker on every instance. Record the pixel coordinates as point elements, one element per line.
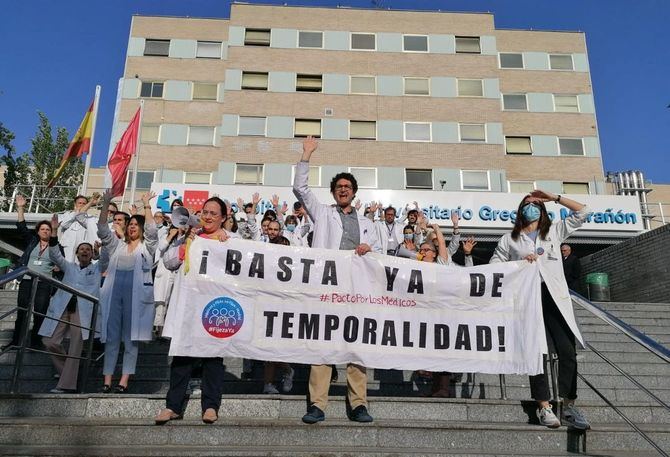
<point>212,382</point>
<point>561,341</point>
<point>42,298</point>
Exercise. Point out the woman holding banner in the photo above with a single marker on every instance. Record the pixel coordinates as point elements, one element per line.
<point>212,217</point>
<point>535,238</point>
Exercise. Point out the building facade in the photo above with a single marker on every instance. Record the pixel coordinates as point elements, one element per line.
<point>402,99</point>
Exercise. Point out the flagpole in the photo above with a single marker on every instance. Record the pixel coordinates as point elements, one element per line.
<point>137,155</point>
<point>87,167</point>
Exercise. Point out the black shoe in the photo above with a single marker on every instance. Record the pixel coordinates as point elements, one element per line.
<point>106,389</point>
<point>119,389</point>
<point>360,414</point>
<point>314,415</point>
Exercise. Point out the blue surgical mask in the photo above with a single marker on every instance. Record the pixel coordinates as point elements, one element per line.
<point>290,227</point>
<point>409,236</point>
<point>531,212</point>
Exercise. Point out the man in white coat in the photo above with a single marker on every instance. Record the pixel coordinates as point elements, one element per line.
<point>336,226</point>
<point>84,276</point>
<point>390,232</point>
<point>77,226</point>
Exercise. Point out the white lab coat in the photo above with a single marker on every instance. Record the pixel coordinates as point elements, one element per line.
<point>383,233</point>
<point>327,226</point>
<point>549,260</point>
<point>294,238</point>
<point>142,318</point>
<point>163,279</point>
<point>76,228</point>
<point>84,279</point>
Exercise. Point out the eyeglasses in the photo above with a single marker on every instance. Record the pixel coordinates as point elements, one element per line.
<point>424,250</point>
<point>343,187</point>
<point>209,213</point>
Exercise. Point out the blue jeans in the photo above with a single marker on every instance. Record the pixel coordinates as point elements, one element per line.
<point>119,326</point>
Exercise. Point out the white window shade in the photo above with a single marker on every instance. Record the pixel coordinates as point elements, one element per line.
<point>363,85</point>
<point>257,37</point>
<point>521,187</point>
<point>417,86</point>
<point>475,180</point>
<point>254,80</point>
<point>314,176</point>
<point>417,131</point>
<point>473,132</point>
<point>575,188</point>
<point>208,50</point>
<point>364,130</point>
<point>150,134</point>
<point>205,91</point>
<point>252,126</point>
<point>566,103</point>
<point>560,61</point>
<point>365,177</point>
<point>518,145</point>
<point>197,178</point>
<point>248,173</point>
<point>470,88</point>
<point>309,83</point>
<point>201,136</point>
<point>307,127</point>
<point>468,45</point>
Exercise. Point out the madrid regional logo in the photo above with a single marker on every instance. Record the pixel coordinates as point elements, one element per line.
<point>222,317</point>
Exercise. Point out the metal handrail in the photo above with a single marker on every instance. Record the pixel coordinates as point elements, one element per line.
<point>24,271</point>
<point>634,334</point>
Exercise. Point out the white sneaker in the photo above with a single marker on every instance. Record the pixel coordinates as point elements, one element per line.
<point>270,389</point>
<point>575,418</point>
<point>547,417</point>
<point>287,380</point>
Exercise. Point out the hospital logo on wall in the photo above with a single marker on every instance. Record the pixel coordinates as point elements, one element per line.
<point>222,317</point>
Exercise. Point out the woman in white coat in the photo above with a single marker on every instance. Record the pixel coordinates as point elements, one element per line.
<point>535,238</point>
<point>127,296</point>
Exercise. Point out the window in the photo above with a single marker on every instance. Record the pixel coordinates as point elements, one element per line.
<point>468,45</point>
<point>363,41</point>
<point>418,179</point>
<point>144,179</point>
<point>307,127</point>
<point>363,85</point>
<point>566,104</point>
<point>314,176</point>
<point>417,131</point>
<point>511,60</point>
<point>197,178</point>
<point>309,83</point>
<point>201,135</point>
<point>475,180</point>
<point>205,91</point>
<point>150,134</point>
<point>515,102</point>
<point>362,130</point>
<point>157,48</point>
<point>576,188</point>
<point>518,145</point>
<point>415,43</point>
<point>521,187</point>
<point>417,86</point>
<point>560,61</point>
<point>470,88</point>
<point>254,81</point>
<point>208,50</point>
<point>251,126</point>
<point>257,37</point>
<point>310,39</point>
<point>151,89</point>
<point>366,177</point>
<point>571,146</point>
<point>247,173</point>
<point>472,132</point>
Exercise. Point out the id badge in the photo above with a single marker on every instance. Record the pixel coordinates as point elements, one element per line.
<point>37,263</point>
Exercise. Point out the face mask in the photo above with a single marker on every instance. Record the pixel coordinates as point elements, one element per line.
<point>531,212</point>
<point>290,227</point>
<point>409,236</point>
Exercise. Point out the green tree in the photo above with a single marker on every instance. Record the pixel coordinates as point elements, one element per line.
<point>15,167</point>
<point>37,167</point>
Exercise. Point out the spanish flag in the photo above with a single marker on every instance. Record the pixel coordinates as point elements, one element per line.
<point>80,144</point>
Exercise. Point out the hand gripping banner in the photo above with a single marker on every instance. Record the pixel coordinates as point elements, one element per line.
<point>317,306</point>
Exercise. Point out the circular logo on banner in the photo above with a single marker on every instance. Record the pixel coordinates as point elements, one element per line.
<point>540,251</point>
<point>222,317</point>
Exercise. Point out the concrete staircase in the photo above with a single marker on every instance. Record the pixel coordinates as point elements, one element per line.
<point>476,422</point>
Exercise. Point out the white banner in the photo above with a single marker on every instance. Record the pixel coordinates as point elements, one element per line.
<point>316,306</point>
<point>480,210</point>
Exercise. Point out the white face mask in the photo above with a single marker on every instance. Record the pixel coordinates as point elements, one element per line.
<point>409,236</point>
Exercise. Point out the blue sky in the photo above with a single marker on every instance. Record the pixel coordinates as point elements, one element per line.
<point>55,52</point>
